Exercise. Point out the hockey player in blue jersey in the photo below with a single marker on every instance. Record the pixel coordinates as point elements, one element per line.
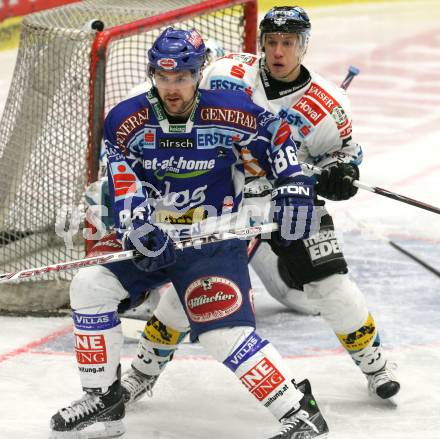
<point>308,275</point>
<point>174,169</point>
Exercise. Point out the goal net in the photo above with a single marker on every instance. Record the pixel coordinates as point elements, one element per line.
<point>67,76</point>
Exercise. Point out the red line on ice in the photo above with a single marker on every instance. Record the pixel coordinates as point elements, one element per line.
<point>33,344</point>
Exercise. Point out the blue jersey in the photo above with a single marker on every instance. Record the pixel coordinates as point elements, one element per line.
<point>196,167</point>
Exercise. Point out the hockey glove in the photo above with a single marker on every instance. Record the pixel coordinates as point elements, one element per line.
<point>293,209</point>
<point>156,247</point>
<point>336,182</point>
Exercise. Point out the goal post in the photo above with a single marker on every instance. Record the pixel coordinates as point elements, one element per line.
<point>67,77</point>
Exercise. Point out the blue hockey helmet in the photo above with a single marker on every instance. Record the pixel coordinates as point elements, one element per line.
<point>287,20</point>
<point>177,49</point>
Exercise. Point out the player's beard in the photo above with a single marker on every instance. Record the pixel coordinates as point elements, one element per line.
<point>183,109</point>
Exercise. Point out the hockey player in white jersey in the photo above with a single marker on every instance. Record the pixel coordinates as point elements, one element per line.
<point>314,270</point>
<point>310,275</point>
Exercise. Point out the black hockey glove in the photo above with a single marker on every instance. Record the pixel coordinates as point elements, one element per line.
<point>335,182</point>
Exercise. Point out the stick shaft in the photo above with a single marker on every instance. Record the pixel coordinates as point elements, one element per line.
<point>414,258</point>
<point>381,191</point>
<point>239,233</point>
<point>397,197</point>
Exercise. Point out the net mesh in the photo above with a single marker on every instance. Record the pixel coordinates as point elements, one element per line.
<point>45,127</point>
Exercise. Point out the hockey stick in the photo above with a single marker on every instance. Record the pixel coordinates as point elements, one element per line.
<point>381,191</point>
<point>352,72</point>
<point>240,233</point>
<point>361,224</point>
<point>414,258</point>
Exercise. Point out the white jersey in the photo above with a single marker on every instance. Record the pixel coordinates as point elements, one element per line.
<point>317,111</point>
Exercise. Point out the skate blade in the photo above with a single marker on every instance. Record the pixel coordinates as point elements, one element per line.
<point>392,401</point>
<point>111,429</point>
<point>100,430</point>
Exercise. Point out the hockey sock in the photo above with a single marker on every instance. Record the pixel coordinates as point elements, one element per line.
<point>364,346</point>
<point>156,347</point>
<point>98,342</point>
<point>265,374</point>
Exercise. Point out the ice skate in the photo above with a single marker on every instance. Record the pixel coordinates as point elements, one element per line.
<point>383,383</point>
<point>135,385</point>
<point>93,416</point>
<point>305,421</point>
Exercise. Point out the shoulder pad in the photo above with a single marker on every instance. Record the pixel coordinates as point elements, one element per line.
<point>232,72</point>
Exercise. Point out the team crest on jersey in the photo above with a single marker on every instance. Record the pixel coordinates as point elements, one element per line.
<point>134,149</point>
<point>339,115</point>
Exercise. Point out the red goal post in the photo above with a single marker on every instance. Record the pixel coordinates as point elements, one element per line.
<point>66,78</point>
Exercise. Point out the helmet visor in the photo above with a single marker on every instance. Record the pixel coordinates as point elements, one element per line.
<point>175,80</point>
<point>295,43</point>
